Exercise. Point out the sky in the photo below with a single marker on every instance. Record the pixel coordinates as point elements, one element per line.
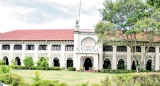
<point>48,14</point>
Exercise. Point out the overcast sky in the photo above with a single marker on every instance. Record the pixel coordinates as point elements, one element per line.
<point>48,14</point>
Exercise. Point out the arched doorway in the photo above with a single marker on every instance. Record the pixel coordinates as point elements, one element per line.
<point>133,65</point>
<point>107,64</point>
<point>56,62</point>
<point>6,62</point>
<point>18,61</point>
<point>149,65</point>
<point>69,62</point>
<point>121,64</point>
<point>87,63</point>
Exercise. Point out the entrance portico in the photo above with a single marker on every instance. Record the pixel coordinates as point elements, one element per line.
<point>87,62</point>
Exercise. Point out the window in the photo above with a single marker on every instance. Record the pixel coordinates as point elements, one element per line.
<point>42,47</point>
<point>29,47</point>
<point>56,47</point>
<point>5,47</point>
<point>122,48</point>
<point>69,47</point>
<point>151,49</point>
<point>17,47</point>
<point>107,48</point>
<point>138,49</point>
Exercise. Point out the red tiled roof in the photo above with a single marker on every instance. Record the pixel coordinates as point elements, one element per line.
<point>42,34</point>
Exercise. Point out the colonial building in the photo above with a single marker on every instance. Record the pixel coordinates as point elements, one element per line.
<point>71,48</point>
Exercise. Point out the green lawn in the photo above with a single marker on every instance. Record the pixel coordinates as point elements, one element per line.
<point>72,78</point>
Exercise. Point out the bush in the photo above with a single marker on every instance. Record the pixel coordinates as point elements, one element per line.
<point>37,68</point>
<point>43,62</point>
<point>48,83</point>
<point>37,76</point>
<point>145,79</point>
<point>4,69</point>
<point>11,78</point>
<point>106,82</point>
<point>71,68</point>
<point>20,67</point>
<point>1,62</point>
<point>54,68</point>
<point>28,62</point>
<point>117,71</point>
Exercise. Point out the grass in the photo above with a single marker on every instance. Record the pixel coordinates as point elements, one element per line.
<point>72,78</point>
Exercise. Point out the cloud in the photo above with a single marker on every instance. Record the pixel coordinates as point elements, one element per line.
<point>48,14</point>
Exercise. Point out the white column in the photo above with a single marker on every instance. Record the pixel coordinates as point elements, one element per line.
<point>114,58</point>
<point>76,45</point>
<point>23,53</point>
<point>62,61</point>
<point>11,53</point>
<point>100,63</point>
<point>1,51</point>
<point>96,62</point>
<point>36,53</point>
<point>142,55</point>
<point>78,64</point>
<point>49,53</point>
<point>157,59</point>
<point>128,58</point>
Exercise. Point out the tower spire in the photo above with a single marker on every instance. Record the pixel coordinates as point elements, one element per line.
<point>78,20</point>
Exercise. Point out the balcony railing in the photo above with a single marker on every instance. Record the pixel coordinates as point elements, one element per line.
<point>83,50</point>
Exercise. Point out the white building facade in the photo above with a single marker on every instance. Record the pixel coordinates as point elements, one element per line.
<point>72,48</point>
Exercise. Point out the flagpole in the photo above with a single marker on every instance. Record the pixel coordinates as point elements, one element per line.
<point>79,11</point>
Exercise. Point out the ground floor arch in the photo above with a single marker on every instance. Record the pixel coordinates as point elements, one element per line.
<point>107,63</point>
<point>56,62</point>
<point>5,59</point>
<point>121,64</point>
<point>133,64</point>
<point>87,63</point>
<point>18,61</point>
<point>69,62</point>
<point>149,65</point>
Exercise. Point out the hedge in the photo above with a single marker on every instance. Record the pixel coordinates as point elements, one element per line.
<point>35,68</point>
<point>71,68</point>
<point>121,71</point>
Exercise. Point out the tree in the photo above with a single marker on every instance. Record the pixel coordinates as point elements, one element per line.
<point>28,62</point>
<point>121,23</point>
<point>43,62</point>
<point>155,3</point>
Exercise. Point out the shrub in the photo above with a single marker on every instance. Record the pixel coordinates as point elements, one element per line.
<point>23,83</point>
<point>71,68</point>
<point>28,62</point>
<point>117,71</point>
<point>37,68</point>
<point>4,69</point>
<point>123,80</point>
<point>37,76</point>
<point>48,83</point>
<point>1,62</point>
<point>95,84</point>
<point>13,63</point>
<point>11,78</point>
<point>19,67</point>
<point>43,62</point>
<point>54,68</point>
<point>106,82</point>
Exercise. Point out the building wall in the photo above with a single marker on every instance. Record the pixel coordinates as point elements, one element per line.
<point>82,39</point>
